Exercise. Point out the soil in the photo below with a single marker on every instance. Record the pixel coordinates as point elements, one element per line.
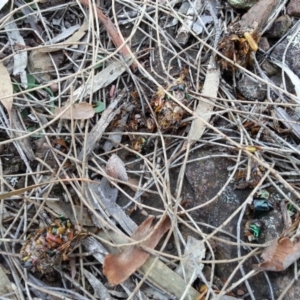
<point>223,167</point>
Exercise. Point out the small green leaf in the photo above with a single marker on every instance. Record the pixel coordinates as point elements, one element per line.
<point>35,135</point>
<point>24,114</point>
<point>100,64</point>
<point>100,106</point>
<point>31,81</point>
<point>16,87</point>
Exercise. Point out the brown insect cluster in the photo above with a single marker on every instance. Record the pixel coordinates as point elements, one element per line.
<point>241,181</point>
<point>168,114</point>
<point>50,245</point>
<point>243,35</point>
<point>238,48</point>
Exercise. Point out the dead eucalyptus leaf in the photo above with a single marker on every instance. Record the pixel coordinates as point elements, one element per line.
<point>205,107</point>
<point>6,89</point>
<point>20,57</point>
<point>190,266</point>
<point>118,267</point>
<point>279,255</point>
<point>41,64</point>
<point>79,111</point>
<point>158,273</point>
<point>115,168</point>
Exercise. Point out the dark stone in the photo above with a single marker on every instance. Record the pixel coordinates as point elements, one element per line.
<point>293,9</point>
<point>291,50</point>
<point>242,4</point>
<point>264,44</point>
<point>252,89</point>
<point>279,27</point>
<point>277,80</point>
<point>270,69</point>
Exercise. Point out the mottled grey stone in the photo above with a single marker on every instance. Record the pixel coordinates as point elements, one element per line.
<point>242,4</point>
<point>291,49</point>
<point>251,89</point>
<point>293,9</point>
<point>279,27</point>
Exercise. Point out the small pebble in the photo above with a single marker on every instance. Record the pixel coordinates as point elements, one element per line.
<point>54,87</point>
<point>264,44</point>
<point>293,8</point>
<point>240,292</point>
<point>279,27</point>
<point>270,69</point>
<point>67,24</point>
<point>252,89</point>
<point>170,246</point>
<point>290,48</point>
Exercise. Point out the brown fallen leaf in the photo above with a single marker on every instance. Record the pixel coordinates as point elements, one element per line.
<point>6,90</point>
<point>281,253</point>
<point>79,111</point>
<point>41,64</point>
<point>118,267</point>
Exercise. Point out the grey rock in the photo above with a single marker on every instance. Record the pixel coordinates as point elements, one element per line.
<point>269,68</point>
<point>264,44</point>
<point>293,9</point>
<point>251,89</point>
<point>242,4</point>
<point>277,80</point>
<point>291,49</point>
<point>279,27</point>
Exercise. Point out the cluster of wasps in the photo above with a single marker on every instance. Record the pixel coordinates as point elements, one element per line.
<point>49,246</point>
<point>238,49</point>
<point>237,46</point>
<point>167,113</point>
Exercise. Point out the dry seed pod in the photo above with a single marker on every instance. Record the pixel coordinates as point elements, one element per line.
<point>115,168</point>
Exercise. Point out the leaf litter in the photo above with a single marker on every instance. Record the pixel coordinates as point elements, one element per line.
<point>104,137</point>
<point>118,268</point>
<point>78,111</point>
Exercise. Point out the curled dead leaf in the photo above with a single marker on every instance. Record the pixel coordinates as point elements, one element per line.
<point>118,267</point>
<point>281,253</point>
<point>79,111</point>
<point>115,168</point>
<point>40,63</point>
